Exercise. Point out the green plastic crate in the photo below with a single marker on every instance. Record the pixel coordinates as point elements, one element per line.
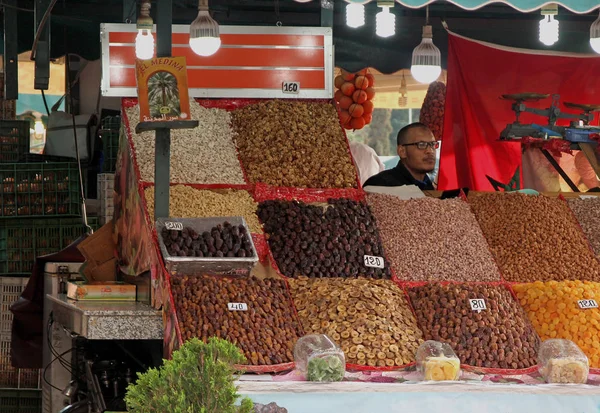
<point>39,189</point>
<point>14,140</point>
<point>111,126</point>
<point>22,240</point>
<point>20,401</point>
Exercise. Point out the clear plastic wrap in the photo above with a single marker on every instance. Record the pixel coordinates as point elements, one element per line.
<point>319,358</point>
<point>437,361</point>
<point>562,361</point>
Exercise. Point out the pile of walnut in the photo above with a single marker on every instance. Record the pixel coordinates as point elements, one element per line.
<point>293,144</point>
<point>432,111</point>
<point>534,238</point>
<point>266,332</point>
<point>587,212</point>
<point>369,319</point>
<point>498,337</point>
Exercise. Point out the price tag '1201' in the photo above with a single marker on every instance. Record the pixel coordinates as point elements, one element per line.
<point>585,304</point>
<point>291,87</point>
<point>237,307</point>
<point>175,226</point>
<point>374,262</point>
<point>477,304</point>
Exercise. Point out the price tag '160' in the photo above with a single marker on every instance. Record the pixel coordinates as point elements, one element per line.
<point>477,304</point>
<point>585,304</point>
<point>237,307</point>
<point>175,226</point>
<point>291,87</point>
<point>374,262</point>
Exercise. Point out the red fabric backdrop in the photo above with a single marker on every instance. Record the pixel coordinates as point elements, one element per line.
<point>478,74</point>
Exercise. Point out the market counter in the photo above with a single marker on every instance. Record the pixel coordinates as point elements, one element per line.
<point>361,397</point>
<point>114,320</point>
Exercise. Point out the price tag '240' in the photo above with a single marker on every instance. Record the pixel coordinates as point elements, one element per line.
<point>237,307</point>
<point>585,304</point>
<point>374,262</point>
<point>477,304</point>
<point>175,226</point>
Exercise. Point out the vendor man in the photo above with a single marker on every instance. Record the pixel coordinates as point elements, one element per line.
<point>417,150</point>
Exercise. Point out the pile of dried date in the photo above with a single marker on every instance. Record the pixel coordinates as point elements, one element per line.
<point>327,240</point>
<point>255,314</point>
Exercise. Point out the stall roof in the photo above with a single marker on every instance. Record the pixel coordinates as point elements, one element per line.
<point>75,26</point>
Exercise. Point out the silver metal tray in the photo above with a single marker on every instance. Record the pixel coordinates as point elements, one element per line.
<point>206,265</point>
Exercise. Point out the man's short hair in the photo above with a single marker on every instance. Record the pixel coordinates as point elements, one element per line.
<point>405,131</point>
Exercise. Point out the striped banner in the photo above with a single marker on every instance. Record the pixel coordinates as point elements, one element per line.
<point>252,62</point>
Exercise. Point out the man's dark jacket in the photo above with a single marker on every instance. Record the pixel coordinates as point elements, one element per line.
<point>398,176</point>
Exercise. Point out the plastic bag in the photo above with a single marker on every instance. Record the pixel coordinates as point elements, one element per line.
<point>437,361</point>
<point>317,356</point>
<point>561,361</point>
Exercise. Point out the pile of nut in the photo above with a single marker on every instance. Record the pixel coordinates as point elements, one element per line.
<point>222,241</point>
<point>293,144</point>
<point>369,319</point>
<point>554,311</point>
<point>266,332</point>
<point>498,337</point>
<point>534,238</point>
<point>587,212</point>
<point>328,240</point>
<point>188,202</point>
<point>429,239</point>
<point>203,155</point>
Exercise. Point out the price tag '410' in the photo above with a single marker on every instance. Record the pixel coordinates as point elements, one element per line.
<point>237,307</point>
<point>477,304</point>
<point>374,262</point>
<point>585,304</point>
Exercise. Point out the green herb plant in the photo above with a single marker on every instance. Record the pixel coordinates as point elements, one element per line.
<point>325,368</point>
<point>198,379</point>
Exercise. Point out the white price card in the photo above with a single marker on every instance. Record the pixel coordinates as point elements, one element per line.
<point>374,262</point>
<point>175,226</point>
<point>237,307</point>
<point>477,304</point>
<point>585,304</point>
<point>290,87</point>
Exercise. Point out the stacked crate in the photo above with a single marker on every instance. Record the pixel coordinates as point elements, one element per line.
<point>40,214</point>
<point>106,188</point>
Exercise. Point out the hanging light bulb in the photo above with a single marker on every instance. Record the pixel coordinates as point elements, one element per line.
<point>204,32</point>
<point>595,35</point>
<point>386,21</point>
<point>549,25</point>
<point>426,59</point>
<point>403,98</point>
<point>355,15</point>
<point>144,41</point>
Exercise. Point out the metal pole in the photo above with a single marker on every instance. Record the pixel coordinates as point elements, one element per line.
<point>129,11</point>
<point>162,152</point>
<point>11,65</point>
<point>327,13</point>
<point>42,47</point>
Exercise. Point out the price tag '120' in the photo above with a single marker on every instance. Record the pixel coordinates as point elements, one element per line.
<point>175,226</point>
<point>291,87</point>
<point>477,304</point>
<point>374,262</point>
<point>237,307</point>
<point>585,304</point>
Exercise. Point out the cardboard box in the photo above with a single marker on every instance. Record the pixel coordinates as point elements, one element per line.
<point>107,290</point>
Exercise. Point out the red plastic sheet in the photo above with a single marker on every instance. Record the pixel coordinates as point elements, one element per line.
<point>555,146</point>
<point>478,74</point>
<point>263,192</point>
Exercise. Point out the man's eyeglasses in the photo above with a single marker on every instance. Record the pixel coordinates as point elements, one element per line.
<point>424,145</point>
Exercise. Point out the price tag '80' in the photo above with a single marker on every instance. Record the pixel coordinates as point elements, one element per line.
<point>477,304</point>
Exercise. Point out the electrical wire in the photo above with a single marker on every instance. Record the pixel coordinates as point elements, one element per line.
<point>40,29</point>
<point>48,366</point>
<point>65,363</point>
<point>45,102</point>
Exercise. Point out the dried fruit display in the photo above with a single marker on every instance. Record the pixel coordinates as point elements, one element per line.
<point>432,111</point>
<point>430,239</point>
<point>498,337</point>
<point>554,311</point>
<point>354,95</point>
<point>369,319</point>
<point>204,155</point>
<point>534,238</point>
<point>266,331</point>
<point>293,144</point>
<point>188,202</point>
<point>587,212</point>
<point>322,240</point>
<point>222,241</point>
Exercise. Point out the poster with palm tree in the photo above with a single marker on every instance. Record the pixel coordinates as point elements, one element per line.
<point>162,89</point>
